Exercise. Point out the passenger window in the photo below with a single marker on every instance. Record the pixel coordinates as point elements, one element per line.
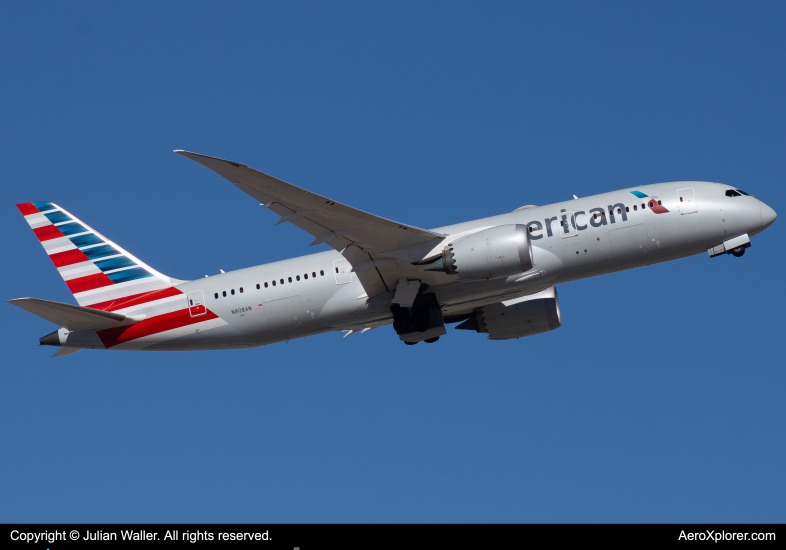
<point>595,215</point>
<point>313,274</point>
<point>642,206</point>
<point>241,290</point>
<point>224,293</point>
<point>216,295</point>
<point>627,209</point>
<point>305,275</point>
<point>619,210</point>
<point>652,204</point>
<point>232,292</point>
<point>257,286</point>
<point>266,284</point>
<point>659,203</point>
<point>289,279</point>
<point>336,270</point>
<point>281,281</point>
<point>322,273</point>
<point>274,283</point>
<point>635,208</point>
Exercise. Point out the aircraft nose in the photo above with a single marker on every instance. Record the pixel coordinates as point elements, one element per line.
<point>768,216</point>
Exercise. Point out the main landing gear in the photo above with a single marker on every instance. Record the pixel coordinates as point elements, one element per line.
<point>739,251</point>
<point>422,322</point>
<point>429,341</point>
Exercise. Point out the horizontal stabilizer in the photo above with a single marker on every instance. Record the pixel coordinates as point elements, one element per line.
<point>74,318</point>
<point>66,351</point>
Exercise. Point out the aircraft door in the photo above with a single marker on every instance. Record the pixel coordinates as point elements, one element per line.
<point>342,271</point>
<point>567,225</point>
<point>196,303</point>
<point>687,198</point>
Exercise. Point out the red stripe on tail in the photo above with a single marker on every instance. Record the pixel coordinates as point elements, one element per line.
<point>160,323</point>
<point>68,257</point>
<point>27,208</point>
<point>47,233</point>
<point>135,299</point>
<point>89,282</point>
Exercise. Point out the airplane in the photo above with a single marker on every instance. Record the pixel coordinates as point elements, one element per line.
<point>495,276</point>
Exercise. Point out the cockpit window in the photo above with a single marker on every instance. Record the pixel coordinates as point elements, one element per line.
<point>744,193</point>
<point>732,193</point>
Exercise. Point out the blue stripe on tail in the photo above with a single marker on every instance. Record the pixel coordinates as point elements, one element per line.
<point>85,240</point>
<point>115,263</point>
<point>71,229</point>
<point>129,275</point>
<point>43,206</point>
<point>57,217</point>
<point>100,252</point>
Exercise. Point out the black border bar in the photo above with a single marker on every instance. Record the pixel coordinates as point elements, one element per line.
<point>312,536</point>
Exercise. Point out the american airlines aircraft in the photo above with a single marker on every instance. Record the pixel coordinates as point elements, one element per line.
<point>495,275</point>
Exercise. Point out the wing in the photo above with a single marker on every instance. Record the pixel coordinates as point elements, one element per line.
<point>368,242</point>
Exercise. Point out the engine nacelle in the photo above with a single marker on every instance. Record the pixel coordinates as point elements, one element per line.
<point>534,315</point>
<point>500,251</point>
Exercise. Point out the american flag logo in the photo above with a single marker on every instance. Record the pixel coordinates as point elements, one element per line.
<point>258,306</point>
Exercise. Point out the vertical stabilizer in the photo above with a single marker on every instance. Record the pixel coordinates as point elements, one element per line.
<point>97,271</point>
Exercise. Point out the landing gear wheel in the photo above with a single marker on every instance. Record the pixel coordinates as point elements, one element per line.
<point>431,340</point>
<point>410,343</point>
<point>421,324</point>
<point>739,251</point>
<point>401,327</point>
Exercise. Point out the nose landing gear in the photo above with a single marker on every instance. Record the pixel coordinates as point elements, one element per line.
<point>735,246</point>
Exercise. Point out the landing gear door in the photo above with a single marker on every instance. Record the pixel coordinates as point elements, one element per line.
<point>567,225</point>
<point>687,199</point>
<point>196,303</point>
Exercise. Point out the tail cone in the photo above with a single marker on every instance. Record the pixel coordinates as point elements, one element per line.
<point>52,339</point>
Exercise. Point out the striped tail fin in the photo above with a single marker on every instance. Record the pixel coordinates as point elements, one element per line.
<point>96,270</point>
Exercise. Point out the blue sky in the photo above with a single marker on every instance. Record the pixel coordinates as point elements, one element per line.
<point>659,399</point>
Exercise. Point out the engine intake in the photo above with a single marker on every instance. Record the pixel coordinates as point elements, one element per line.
<point>500,251</point>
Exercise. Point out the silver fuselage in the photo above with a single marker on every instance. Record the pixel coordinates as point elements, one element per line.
<point>263,313</point>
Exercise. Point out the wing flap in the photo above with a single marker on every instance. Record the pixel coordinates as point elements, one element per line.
<point>74,318</point>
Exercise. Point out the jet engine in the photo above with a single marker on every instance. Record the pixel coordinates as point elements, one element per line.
<point>535,314</point>
<point>500,251</point>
